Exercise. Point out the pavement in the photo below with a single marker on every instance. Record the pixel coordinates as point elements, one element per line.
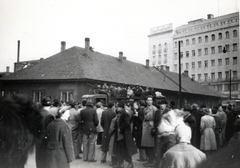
<point>79,163</point>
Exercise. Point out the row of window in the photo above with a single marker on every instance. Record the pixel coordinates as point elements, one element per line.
<point>65,96</point>
<point>226,87</point>
<point>199,63</point>
<point>206,39</point>
<point>213,77</point>
<point>213,51</point>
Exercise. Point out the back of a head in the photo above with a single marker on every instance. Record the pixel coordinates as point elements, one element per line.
<point>183,133</point>
<point>56,103</point>
<point>110,104</point>
<point>99,104</point>
<point>84,102</point>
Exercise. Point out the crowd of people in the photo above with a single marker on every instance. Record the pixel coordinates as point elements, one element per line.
<point>162,135</point>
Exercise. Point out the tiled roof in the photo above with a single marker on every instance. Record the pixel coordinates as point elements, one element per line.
<point>73,63</point>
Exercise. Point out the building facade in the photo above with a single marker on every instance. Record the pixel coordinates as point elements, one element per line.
<point>210,52</point>
<point>161,45</point>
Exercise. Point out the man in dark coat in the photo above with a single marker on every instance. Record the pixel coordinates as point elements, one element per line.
<point>197,113</point>
<point>125,144</point>
<point>89,121</point>
<point>106,119</point>
<point>190,120</point>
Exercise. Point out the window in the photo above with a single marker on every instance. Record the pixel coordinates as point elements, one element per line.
<point>220,75</point>
<point>212,63</point>
<point>187,42</point>
<point>181,43</point>
<point>181,66</point>
<point>199,64</point>
<point>205,77</point>
<point>181,55</point>
<point>175,44</point>
<point>175,56</point>
<point>175,67</point>
<point>165,47</point>
<point>38,96</point>
<point>193,53</point>
<point>154,49</point>
<point>159,59</point>
<point>235,47</point>
<point>205,51</point>
<point>199,77</point>
<point>234,74</point>
<point>193,76</point>
<point>227,48</point>
<point>213,76</point>
<point>193,41</point>
<point>187,53</point>
<point>212,50</point>
<point>219,87</point>
<point>227,74</point>
<point>206,39</point>
<point>227,35</point>
<point>234,33</point>
<point>234,60</point>
<point>226,87</point>
<point>220,49</point>
<point>219,62</point>
<point>213,37</point>
<point>206,64</point>
<point>199,52</point>
<point>66,96</point>
<point>165,58</point>
<point>187,65</point>
<point>199,39</point>
<point>227,61</point>
<point>234,87</point>
<point>220,36</point>
<point>159,48</point>
<point>193,65</point>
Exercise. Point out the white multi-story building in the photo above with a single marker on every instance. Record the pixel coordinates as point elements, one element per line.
<point>209,52</point>
<point>161,45</point>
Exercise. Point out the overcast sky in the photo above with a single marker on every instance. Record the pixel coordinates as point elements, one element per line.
<point>111,25</point>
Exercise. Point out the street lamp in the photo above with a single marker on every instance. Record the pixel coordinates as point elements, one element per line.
<point>230,78</point>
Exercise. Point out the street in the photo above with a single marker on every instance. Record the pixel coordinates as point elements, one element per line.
<point>78,163</point>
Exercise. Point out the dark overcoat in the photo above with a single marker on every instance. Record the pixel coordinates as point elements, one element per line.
<point>88,120</point>
<point>137,127</point>
<point>123,125</point>
<point>107,116</point>
<point>59,145</point>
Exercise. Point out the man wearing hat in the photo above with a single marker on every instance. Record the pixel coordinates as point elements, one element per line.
<point>88,122</point>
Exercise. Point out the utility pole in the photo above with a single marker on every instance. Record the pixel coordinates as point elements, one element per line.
<point>230,84</point>
<point>180,79</point>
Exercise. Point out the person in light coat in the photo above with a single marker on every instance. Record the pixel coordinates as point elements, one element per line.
<point>183,154</point>
<point>208,139</point>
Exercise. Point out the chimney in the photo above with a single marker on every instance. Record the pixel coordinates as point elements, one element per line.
<point>124,58</point>
<point>18,51</point>
<point>161,67</point>
<point>210,16</point>
<point>63,45</point>
<point>7,70</point>
<point>167,68</point>
<point>120,56</point>
<point>185,73</point>
<point>87,46</point>
<point>147,63</point>
<point>87,43</point>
